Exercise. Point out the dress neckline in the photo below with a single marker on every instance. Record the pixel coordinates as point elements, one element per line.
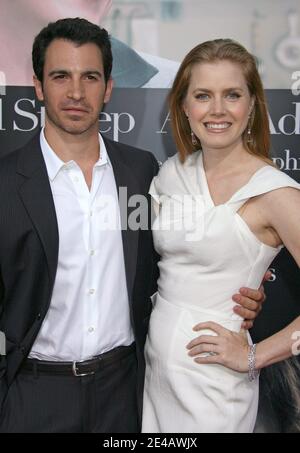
<point>205,187</point>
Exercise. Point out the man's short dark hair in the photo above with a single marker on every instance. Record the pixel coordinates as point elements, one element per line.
<point>77,30</point>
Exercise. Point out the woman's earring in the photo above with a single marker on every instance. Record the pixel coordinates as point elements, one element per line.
<point>249,131</point>
<point>194,139</point>
<point>250,124</point>
<point>193,136</point>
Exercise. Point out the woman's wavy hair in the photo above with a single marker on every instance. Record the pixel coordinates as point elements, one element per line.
<point>210,52</point>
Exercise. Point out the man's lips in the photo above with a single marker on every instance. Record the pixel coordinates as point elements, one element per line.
<point>75,110</point>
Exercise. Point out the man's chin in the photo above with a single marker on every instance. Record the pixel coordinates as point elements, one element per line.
<point>76,128</point>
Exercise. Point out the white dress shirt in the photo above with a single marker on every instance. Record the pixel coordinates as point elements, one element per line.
<point>89,310</point>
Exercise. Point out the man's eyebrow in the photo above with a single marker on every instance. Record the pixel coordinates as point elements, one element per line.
<point>65,72</point>
<point>58,71</point>
<point>92,72</point>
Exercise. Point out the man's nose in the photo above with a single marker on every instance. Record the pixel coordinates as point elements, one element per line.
<point>76,90</point>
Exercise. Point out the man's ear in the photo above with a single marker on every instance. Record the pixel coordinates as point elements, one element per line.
<point>38,88</point>
<point>108,91</point>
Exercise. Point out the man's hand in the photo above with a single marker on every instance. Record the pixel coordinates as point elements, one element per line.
<point>250,303</point>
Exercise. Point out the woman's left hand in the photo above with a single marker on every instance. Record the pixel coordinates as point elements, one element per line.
<point>228,348</point>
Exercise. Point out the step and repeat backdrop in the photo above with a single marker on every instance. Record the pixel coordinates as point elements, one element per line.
<point>149,41</point>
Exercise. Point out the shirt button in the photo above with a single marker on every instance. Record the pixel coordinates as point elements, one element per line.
<point>91,292</point>
<point>76,179</point>
<point>92,252</point>
<point>91,329</point>
<point>91,213</point>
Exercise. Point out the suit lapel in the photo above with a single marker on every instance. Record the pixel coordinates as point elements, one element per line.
<point>35,193</point>
<point>125,178</point>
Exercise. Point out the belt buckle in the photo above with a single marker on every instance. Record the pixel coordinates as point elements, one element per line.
<point>75,371</point>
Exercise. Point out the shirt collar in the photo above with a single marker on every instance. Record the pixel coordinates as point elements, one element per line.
<point>103,159</point>
<point>54,164</point>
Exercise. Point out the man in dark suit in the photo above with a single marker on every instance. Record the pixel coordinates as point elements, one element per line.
<point>76,268</point>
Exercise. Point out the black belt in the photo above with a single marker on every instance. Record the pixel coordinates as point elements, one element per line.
<point>79,369</point>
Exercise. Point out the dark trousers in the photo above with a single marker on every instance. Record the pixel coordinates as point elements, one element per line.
<point>105,402</point>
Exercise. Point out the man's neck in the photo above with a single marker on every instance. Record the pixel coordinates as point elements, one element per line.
<point>82,148</point>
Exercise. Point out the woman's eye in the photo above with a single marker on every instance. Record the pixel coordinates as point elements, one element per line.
<point>205,96</point>
<point>202,96</point>
<point>233,95</point>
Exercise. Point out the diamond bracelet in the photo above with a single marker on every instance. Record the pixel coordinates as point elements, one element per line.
<point>252,372</point>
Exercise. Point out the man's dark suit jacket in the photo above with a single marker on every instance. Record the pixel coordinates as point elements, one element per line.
<point>29,250</point>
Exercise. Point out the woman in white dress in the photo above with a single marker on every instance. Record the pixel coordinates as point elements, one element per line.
<point>224,211</point>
